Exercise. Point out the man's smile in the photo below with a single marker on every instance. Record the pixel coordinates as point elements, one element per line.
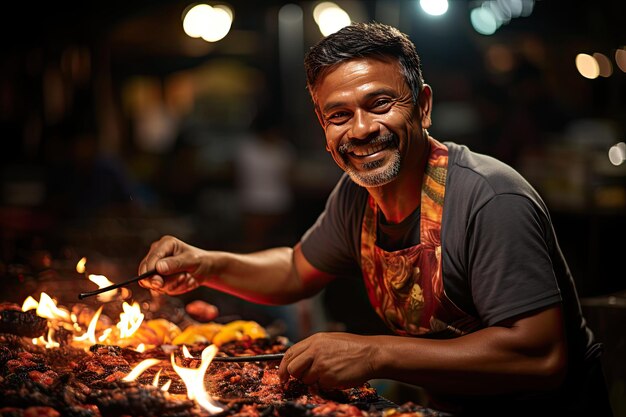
<point>369,150</point>
<point>358,150</point>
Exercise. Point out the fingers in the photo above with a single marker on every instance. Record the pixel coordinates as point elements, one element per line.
<point>179,284</point>
<point>297,363</point>
<point>165,247</point>
<point>167,257</point>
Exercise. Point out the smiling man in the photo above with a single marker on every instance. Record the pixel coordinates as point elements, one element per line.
<point>455,249</point>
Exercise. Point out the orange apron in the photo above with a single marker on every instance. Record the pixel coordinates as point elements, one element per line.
<point>405,287</point>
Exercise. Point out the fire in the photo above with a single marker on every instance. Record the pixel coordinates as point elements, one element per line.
<point>155,381</point>
<point>140,368</point>
<point>102,281</point>
<point>130,319</point>
<point>90,334</point>
<point>46,307</point>
<point>132,330</point>
<point>49,342</point>
<point>80,266</point>
<point>194,380</point>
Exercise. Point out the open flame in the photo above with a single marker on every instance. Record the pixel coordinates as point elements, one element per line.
<point>130,319</point>
<point>194,380</point>
<point>192,377</point>
<point>80,266</point>
<point>46,307</point>
<point>90,334</point>
<point>132,330</point>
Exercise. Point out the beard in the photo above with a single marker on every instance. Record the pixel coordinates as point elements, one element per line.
<point>375,173</point>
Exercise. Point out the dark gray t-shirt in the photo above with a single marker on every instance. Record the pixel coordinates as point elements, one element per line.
<point>500,256</point>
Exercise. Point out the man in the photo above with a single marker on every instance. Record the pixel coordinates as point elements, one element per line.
<point>456,250</point>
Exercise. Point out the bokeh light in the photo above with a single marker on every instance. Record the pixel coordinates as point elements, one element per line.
<point>587,66</point>
<point>434,7</point>
<point>330,17</point>
<point>210,23</point>
<point>604,64</point>
<point>617,154</point>
<point>620,59</point>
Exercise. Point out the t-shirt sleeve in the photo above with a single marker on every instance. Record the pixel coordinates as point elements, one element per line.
<point>329,245</point>
<point>510,269</point>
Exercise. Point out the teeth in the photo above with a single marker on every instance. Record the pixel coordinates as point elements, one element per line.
<point>368,150</point>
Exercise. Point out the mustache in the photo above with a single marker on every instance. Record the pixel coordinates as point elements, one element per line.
<point>353,144</point>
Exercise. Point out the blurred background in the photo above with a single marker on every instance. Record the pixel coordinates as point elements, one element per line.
<point>124,121</point>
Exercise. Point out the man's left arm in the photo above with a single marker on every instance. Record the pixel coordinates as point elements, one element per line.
<point>527,353</point>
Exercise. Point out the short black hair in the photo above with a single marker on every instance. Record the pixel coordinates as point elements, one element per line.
<point>364,40</point>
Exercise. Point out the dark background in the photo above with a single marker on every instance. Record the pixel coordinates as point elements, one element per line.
<point>116,128</point>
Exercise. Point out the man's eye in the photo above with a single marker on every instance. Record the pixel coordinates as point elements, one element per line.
<point>338,117</point>
<point>381,102</point>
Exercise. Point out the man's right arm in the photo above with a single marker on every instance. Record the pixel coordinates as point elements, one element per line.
<point>273,276</point>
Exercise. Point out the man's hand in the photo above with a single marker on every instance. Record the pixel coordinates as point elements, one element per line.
<point>330,360</point>
<point>181,267</point>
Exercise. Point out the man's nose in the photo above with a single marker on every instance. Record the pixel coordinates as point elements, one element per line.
<point>363,126</point>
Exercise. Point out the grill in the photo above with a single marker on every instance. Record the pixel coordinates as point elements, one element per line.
<point>62,363</point>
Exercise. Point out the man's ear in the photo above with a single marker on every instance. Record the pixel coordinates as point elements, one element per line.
<point>426,105</point>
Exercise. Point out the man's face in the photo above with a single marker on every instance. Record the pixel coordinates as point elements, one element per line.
<point>370,121</point>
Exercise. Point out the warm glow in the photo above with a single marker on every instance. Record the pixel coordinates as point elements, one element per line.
<point>208,23</point>
<point>166,386</point>
<point>101,281</point>
<point>155,381</point>
<point>80,266</point>
<point>29,304</point>
<point>90,334</point>
<point>46,307</point>
<point>47,343</point>
<point>330,17</point>
<point>141,347</point>
<point>194,380</point>
<point>587,66</point>
<point>140,368</point>
<point>195,18</point>
<point>219,25</point>
<point>130,319</point>
<point>186,353</point>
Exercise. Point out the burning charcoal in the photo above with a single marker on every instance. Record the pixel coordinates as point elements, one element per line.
<point>129,399</point>
<point>22,323</point>
<point>229,380</point>
<point>103,367</point>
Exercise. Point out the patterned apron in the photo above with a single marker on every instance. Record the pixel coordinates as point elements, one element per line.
<point>405,287</point>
